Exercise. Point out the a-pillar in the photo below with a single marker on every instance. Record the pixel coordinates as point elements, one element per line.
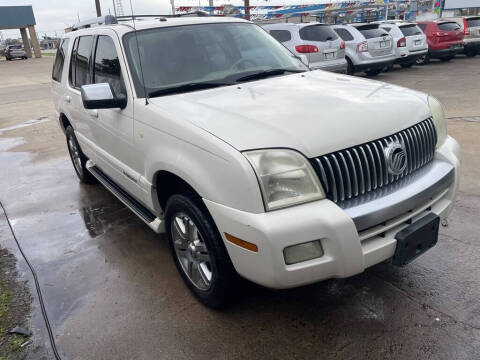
<point>33,37</point>
<point>26,44</point>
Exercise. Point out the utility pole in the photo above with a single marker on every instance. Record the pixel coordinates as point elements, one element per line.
<point>247,9</point>
<point>172,2</point>
<point>99,10</point>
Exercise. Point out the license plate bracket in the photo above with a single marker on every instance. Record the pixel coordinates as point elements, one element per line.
<point>415,239</point>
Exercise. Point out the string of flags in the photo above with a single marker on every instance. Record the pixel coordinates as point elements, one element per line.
<point>269,11</point>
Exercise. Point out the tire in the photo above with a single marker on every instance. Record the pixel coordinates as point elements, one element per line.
<point>446,59</point>
<point>471,53</point>
<point>406,66</point>
<point>78,158</point>
<point>350,67</point>
<point>373,72</point>
<point>423,60</point>
<point>207,256</point>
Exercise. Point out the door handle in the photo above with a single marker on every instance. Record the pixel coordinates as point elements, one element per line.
<point>93,113</point>
<point>67,98</point>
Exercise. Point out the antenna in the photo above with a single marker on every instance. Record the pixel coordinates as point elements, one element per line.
<point>138,51</point>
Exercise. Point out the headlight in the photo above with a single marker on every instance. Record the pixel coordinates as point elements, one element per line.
<point>286,177</point>
<point>438,115</point>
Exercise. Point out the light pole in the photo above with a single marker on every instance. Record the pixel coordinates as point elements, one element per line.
<point>99,10</point>
<point>247,9</point>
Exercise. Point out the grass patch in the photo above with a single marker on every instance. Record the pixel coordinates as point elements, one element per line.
<point>14,307</point>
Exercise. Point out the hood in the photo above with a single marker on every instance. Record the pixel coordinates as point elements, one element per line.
<point>315,112</point>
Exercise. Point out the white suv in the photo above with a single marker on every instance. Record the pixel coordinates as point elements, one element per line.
<point>409,41</point>
<point>210,130</point>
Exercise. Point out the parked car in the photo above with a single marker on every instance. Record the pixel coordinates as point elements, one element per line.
<point>250,162</point>
<point>368,48</point>
<point>470,25</point>
<point>15,52</point>
<point>409,41</point>
<point>444,38</point>
<point>318,42</point>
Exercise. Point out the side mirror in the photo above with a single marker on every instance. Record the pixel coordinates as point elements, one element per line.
<point>101,96</point>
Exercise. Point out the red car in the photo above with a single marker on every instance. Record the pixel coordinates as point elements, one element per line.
<point>444,38</point>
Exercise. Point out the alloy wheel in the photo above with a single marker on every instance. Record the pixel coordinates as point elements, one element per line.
<point>191,251</point>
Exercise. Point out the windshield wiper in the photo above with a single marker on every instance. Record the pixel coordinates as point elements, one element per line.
<point>187,87</point>
<point>266,73</point>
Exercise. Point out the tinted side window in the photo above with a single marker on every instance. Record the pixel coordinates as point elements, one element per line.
<point>107,66</point>
<point>317,33</point>
<point>410,30</point>
<point>82,56</point>
<point>449,26</point>
<point>344,34</point>
<point>60,60</point>
<point>422,26</point>
<point>281,35</point>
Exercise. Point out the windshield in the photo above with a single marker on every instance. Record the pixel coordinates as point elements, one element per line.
<point>218,54</point>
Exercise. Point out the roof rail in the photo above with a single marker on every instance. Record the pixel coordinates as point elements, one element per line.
<point>104,20</point>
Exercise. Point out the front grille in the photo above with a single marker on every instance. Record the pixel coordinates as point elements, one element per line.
<point>352,172</point>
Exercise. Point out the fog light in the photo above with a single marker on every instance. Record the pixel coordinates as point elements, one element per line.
<point>303,252</point>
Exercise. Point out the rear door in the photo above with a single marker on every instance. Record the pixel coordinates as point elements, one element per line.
<point>380,43</point>
<point>325,39</point>
<point>79,75</point>
<point>416,39</point>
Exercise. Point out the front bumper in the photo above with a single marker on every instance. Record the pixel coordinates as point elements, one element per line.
<point>348,251</point>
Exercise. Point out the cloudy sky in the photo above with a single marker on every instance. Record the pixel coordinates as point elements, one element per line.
<point>55,15</point>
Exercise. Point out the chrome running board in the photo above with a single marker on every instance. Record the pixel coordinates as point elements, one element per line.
<point>138,209</point>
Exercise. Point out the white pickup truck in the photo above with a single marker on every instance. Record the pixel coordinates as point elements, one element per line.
<point>210,130</point>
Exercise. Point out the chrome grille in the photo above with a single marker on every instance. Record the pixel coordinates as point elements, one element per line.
<point>352,172</point>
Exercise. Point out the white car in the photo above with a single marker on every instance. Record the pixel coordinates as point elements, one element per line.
<point>321,46</point>
<point>210,130</point>
<point>409,41</point>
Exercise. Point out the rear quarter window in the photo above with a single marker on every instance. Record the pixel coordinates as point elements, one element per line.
<point>448,26</point>
<point>422,27</point>
<point>317,33</point>
<point>60,60</point>
<point>372,31</point>
<point>281,35</point>
<point>411,30</point>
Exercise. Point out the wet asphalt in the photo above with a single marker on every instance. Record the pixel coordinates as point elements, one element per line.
<point>113,292</point>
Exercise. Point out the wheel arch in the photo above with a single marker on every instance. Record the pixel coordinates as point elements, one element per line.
<point>165,184</point>
<point>64,122</point>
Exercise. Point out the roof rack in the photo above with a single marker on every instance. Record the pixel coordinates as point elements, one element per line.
<point>104,20</point>
<point>110,19</point>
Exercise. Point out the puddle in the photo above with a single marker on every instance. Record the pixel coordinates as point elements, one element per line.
<point>10,143</point>
<point>25,124</point>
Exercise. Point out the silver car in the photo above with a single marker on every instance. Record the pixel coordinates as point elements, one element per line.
<point>368,48</point>
<point>15,52</point>
<point>409,41</point>
<point>321,46</point>
<point>471,28</point>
